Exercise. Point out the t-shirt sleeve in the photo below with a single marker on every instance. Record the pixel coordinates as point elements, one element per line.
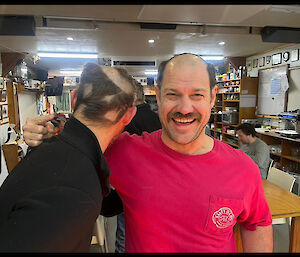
<point>50,220</point>
<point>256,209</point>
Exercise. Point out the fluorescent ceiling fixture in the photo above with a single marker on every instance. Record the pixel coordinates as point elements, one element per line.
<point>68,55</point>
<point>71,72</point>
<point>24,69</point>
<point>212,57</point>
<point>221,43</point>
<point>151,72</point>
<point>69,38</point>
<point>151,41</point>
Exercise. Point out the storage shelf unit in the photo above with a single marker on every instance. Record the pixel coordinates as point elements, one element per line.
<point>285,158</point>
<point>226,98</point>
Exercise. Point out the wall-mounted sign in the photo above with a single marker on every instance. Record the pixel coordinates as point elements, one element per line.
<point>295,55</point>
<point>286,56</point>
<point>268,59</point>
<point>261,62</point>
<point>276,59</point>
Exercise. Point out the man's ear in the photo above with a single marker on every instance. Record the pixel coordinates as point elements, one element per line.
<point>73,98</point>
<point>213,96</point>
<point>128,116</point>
<point>157,92</point>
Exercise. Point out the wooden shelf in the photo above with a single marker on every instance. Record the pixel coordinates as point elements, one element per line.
<point>231,93</point>
<point>233,135</point>
<point>227,80</point>
<point>231,125</point>
<point>292,158</point>
<point>217,131</point>
<point>276,154</point>
<point>33,90</point>
<point>232,101</point>
<point>219,122</point>
<point>229,143</point>
<point>268,116</point>
<point>232,86</point>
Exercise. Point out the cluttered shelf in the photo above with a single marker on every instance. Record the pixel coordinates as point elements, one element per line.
<point>229,143</point>
<point>36,90</point>
<point>218,131</point>
<point>232,101</point>
<point>233,135</point>
<point>228,80</point>
<point>270,133</point>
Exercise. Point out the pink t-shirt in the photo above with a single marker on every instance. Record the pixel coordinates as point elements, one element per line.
<point>184,203</point>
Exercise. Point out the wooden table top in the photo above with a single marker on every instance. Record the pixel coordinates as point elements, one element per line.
<point>282,203</point>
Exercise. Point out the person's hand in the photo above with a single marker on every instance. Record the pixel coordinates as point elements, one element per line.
<point>36,129</point>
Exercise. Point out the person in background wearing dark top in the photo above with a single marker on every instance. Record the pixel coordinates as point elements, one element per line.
<point>52,198</point>
<point>145,120</point>
<point>257,149</point>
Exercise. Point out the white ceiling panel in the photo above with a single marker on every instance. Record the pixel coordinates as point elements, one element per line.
<point>105,29</point>
<point>207,14</point>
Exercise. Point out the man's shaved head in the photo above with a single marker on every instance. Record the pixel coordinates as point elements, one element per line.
<point>104,89</point>
<point>185,60</point>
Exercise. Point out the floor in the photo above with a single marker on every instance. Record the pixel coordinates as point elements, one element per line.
<point>281,240</point>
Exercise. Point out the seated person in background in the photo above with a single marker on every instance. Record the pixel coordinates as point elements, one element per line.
<point>52,198</point>
<point>257,149</point>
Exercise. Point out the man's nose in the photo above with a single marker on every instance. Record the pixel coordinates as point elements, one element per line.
<point>185,105</point>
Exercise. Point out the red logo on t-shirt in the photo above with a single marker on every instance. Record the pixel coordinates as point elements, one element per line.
<point>223,217</point>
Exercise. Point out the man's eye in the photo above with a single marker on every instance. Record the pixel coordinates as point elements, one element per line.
<point>198,95</point>
<point>171,94</point>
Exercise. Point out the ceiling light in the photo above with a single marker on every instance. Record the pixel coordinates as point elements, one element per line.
<point>221,43</point>
<point>151,41</point>
<point>151,72</point>
<point>212,57</point>
<point>71,72</point>
<point>69,38</point>
<point>68,55</point>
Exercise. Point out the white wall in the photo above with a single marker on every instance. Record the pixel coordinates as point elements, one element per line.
<point>27,106</point>
<point>294,74</point>
<point>294,90</point>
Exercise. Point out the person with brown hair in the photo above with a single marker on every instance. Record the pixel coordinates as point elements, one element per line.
<point>253,146</point>
<point>50,201</point>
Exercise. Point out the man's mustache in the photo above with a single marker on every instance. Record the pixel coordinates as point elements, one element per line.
<point>178,115</point>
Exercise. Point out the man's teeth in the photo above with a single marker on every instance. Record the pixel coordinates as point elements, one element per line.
<point>184,120</point>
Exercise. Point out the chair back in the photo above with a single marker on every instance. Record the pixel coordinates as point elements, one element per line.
<point>281,178</point>
<point>270,166</point>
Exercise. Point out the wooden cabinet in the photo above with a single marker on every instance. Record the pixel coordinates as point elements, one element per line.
<point>10,152</point>
<point>240,94</point>
<point>283,150</point>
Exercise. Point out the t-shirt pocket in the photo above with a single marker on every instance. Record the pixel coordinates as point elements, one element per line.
<point>222,214</point>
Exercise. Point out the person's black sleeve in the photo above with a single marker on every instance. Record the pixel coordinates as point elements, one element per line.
<point>51,220</point>
<point>112,204</point>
